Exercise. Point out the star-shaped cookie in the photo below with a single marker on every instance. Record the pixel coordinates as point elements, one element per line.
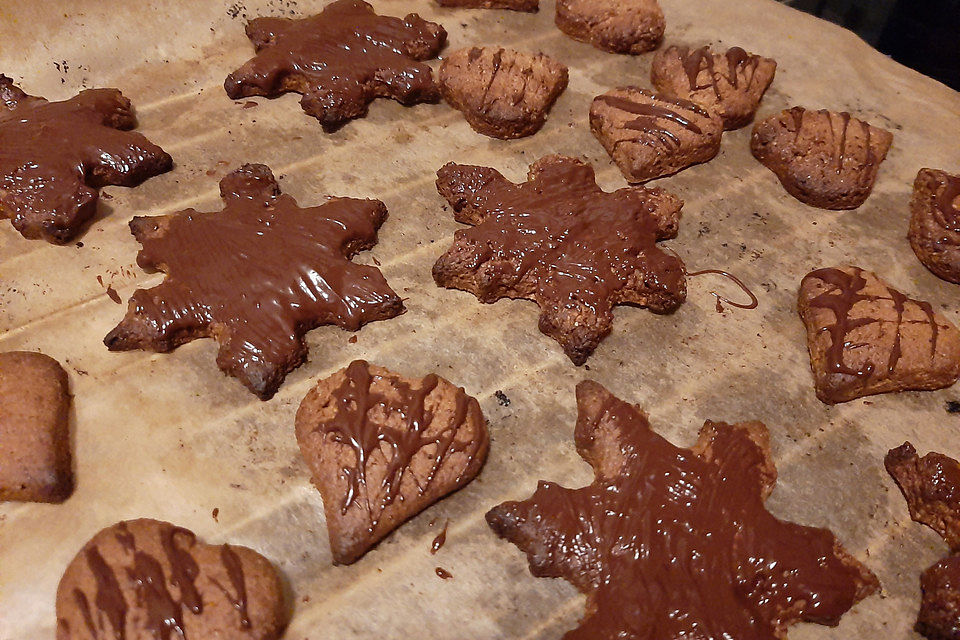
<point>54,156</point>
<point>383,448</point>
<point>671,543</point>
<point>865,337</point>
<point>256,277</point>
<point>560,240</point>
<point>340,60</point>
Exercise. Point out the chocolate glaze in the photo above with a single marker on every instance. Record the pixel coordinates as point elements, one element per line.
<point>649,115</point>
<point>843,293</point>
<point>142,576</point>
<point>54,156</point>
<point>674,543</point>
<point>562,241</point>
<point>340,59</point>
<point>352,425</point>
<point>947,210</point>
<point>702,59</point>
<point>256,277</point>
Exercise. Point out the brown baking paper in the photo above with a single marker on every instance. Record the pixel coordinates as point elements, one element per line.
<point>169,437</point>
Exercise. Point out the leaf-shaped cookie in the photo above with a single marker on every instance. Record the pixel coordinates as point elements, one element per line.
<point>865,337</point>
<point>149,579</point>
<point>382,448</point>
<point>670,543</point>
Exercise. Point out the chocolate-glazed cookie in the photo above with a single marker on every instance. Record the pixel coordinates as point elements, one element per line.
<point>54,156</point>
<point>513,5</point>
<point>256,277</point>
<point>340,60</point>
<point>730,84</point>
<point>618,26</point>
<point>560,240</point>
<point>34,428</point>
<point>931,486</point>
<point>149,579</point>
<point>671,543</point>
<point>822,158</point>
<point>865,337</point>
<point>650,135</point>
<point>383,448</point>
<point>935,222</point>
<point>502,93</point>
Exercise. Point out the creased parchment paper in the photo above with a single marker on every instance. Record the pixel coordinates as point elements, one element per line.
<point>169,437</point>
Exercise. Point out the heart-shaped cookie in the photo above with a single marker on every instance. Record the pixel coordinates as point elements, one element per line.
<point>151,579</point>
<point>866,337</point>
<point>382,448</point>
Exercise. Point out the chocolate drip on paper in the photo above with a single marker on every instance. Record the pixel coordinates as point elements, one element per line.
<point>352,425</point>
<point>740,305</point>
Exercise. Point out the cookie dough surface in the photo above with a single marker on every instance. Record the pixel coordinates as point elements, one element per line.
<point>935,222</point>
<point>617,26</point>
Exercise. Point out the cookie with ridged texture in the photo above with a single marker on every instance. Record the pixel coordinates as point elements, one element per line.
<point>822,158</point>
<point>677,543</point>
<point>340,60</point>
<point>502,93</point>
<point>144,578</point>
<point>931,487</point>
<point>617,26</point>
<point>935,222</point>
<point>561,241</point>
<point>865,337</point>
<point>530,6</point>
<point>55,156</point>
<point>35,461</point>
<point>650,135</point>
<point>731,84</point>
<point>256,277</point>
<point>382,448</point>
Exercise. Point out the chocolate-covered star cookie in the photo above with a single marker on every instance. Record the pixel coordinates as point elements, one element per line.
<point>618,26</point>
<point>560,240</point>
<point>865,337</point>
<point>150,579</point>
<point>340,60</point>
<point>822,158</point>
<point>931,486</point>
<point>730,84</point>
<point>677,543</point>
<point>383,448</point>
<point>502,93</point>
<point>935,222</point>
<point>256,277</point>
<point>514,5</point>
<point>54,156</point>
<point>650,135</point>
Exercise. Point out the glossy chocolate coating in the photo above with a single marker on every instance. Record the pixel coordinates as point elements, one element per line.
<point>340,60</point>
<point>256,277</point>
<point>671,543</point>
<point>54,156</point>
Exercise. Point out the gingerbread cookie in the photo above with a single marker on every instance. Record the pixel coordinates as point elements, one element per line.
<point>34,429</point>
<point>730,84</point>
<point>931,487</point>
<point>865,337</point>
<point>382,448</point>
<point>823,159</point>
<point>256,277</point>
<point>54,156</point>
<point>340,60</point>
<point>618,26</point>
<point>935,222</point>
<point>650,135</point>
<point>677,543</point>
<point>502,93</point>
<point>560,240</point>
<point>514,5</point>
<point>150,579</point>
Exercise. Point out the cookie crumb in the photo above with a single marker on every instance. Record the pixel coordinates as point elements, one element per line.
<point>953,406</point>
<point>502,398</point>
<point>216,514</point>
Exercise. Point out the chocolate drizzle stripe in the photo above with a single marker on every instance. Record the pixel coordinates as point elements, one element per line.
<point>650,114</point>
<point>703,59</point>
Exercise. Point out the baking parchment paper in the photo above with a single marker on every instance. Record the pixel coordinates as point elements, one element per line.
<point>169,437</point>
